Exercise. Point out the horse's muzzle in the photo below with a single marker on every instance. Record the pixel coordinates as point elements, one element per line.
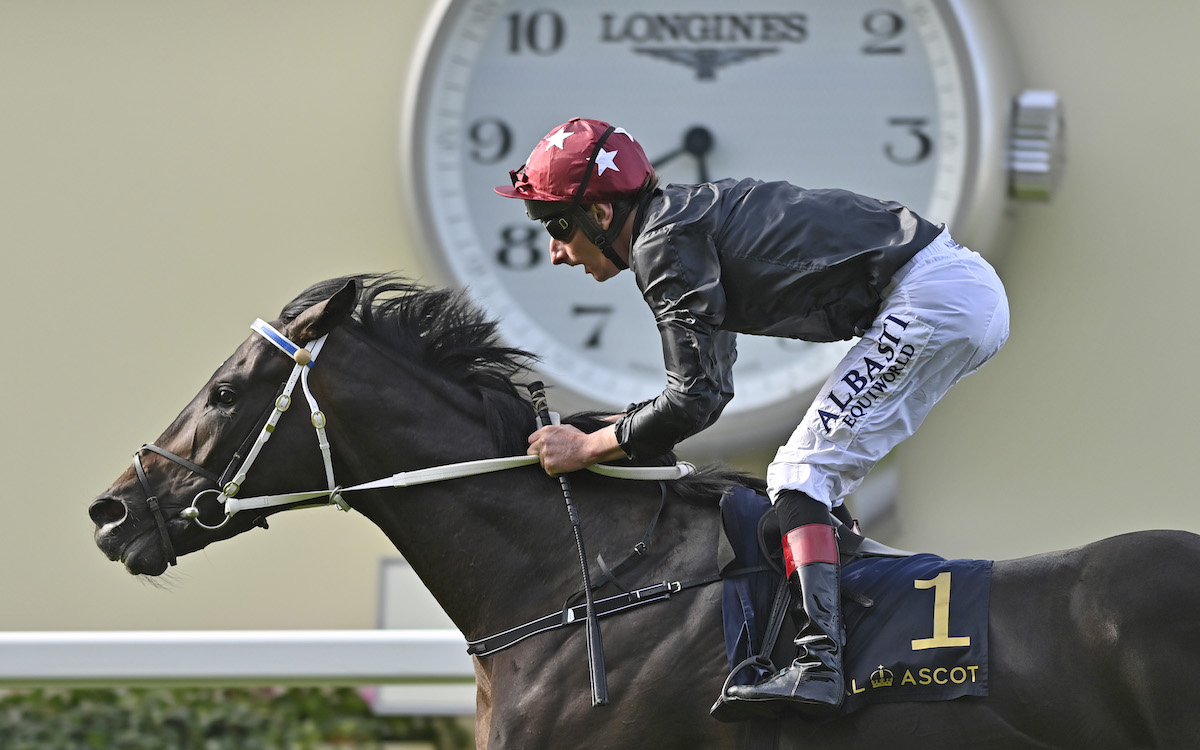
<point>112,534</point>
<point>119,539</point>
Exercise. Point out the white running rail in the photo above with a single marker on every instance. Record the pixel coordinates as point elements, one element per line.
<point>233,657</point>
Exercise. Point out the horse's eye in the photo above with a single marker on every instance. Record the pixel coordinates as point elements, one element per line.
<point>226,395</point>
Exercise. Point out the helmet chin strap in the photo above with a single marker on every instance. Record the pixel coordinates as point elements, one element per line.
<point>601,238</point>
<point>604,238</point>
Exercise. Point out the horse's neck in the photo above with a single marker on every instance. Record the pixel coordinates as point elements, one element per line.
<point>497,549</point>
<point>461,536</point>
<point>402,417</point>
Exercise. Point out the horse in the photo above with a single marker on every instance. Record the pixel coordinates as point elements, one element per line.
<point>1093,647</point>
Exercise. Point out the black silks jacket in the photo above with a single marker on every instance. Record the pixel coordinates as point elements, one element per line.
<point>743,256</point>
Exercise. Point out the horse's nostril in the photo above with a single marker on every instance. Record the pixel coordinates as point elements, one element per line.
<point>106,510</point>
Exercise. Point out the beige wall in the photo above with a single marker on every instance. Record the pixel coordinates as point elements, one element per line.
<point>169,172</point>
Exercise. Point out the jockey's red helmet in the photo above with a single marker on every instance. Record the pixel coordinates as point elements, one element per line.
<point>581,161</point>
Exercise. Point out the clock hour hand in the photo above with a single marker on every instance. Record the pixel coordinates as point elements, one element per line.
<point>697,141</point>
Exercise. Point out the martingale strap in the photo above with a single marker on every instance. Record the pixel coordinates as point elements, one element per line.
<point>639,550</point>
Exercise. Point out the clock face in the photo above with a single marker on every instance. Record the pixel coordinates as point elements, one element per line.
<point>866,95</point>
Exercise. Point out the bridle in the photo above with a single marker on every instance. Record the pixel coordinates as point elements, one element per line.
<point>234,476</point>
<point>231,480</point>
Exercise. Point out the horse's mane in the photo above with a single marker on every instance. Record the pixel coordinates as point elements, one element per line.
<point>442,329</point>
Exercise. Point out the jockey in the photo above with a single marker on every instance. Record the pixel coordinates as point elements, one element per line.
<point>744,256</point>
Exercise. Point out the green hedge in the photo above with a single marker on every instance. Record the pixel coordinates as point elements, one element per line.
<point>212,719</point>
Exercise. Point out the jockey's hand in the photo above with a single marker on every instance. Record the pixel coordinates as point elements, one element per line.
<point>563,448</point>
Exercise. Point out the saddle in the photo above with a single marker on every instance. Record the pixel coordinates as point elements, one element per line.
<point>902,643</point>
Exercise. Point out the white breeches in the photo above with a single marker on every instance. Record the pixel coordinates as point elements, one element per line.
<point>943,316</point>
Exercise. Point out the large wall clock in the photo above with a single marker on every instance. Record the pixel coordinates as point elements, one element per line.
<point>909,100</point>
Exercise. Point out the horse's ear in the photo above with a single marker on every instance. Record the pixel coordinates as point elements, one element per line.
<point>324,316</point>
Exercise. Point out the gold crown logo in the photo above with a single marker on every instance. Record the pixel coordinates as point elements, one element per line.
<point>882,677</point>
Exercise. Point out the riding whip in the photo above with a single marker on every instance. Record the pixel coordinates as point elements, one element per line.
<point>595,646</point>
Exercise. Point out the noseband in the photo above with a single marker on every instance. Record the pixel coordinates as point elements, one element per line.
<point>152,500</point>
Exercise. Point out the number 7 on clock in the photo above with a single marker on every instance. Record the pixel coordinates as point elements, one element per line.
<point>602,313</point>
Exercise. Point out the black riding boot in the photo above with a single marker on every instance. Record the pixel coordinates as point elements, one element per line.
<point>812,685</point>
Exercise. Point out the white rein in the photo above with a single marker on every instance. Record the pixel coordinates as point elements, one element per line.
<point>305,358</point>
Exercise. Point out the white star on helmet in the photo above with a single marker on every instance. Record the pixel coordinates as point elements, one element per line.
<point>557,138</point>
<point>604,160</point>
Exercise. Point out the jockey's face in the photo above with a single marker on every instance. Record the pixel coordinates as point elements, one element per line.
<point>578,250</point>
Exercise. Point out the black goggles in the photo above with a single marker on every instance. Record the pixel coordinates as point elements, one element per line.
<point>560,227</point>
<point>560,224</point>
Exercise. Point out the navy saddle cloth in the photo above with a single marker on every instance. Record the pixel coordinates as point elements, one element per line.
<point>917,626</point>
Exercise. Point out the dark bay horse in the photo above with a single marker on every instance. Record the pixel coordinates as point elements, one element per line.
<point>1096,647</point>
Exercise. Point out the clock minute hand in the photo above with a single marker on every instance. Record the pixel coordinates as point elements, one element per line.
<point>697,141</point>
<point>668,157</point>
